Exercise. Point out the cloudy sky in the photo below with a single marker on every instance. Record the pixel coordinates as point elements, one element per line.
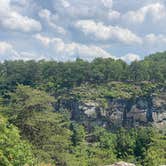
<point>67,29</point>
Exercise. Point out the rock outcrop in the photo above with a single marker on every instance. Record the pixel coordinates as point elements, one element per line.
<point>122,164</point>
<point>119,112</point>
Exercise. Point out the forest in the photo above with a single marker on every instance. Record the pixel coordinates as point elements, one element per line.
<point>37,127</point>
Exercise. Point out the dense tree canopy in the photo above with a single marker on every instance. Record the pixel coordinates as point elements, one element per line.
<point>52,75</point>
<point>34,131</point>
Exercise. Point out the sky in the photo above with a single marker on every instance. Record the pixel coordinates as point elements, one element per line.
<point>64,30</point>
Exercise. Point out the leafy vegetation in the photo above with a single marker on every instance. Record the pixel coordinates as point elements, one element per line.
<point>13,150</point>
<point>34,133</point>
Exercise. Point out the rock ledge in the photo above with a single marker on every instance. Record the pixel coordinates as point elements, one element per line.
<point>121,163</point>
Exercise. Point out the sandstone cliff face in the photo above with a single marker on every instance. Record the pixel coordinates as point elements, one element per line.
<point>119,112</point>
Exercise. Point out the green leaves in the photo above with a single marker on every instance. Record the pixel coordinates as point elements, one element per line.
<point>32,111</point>
<point>13,151</point>
<point>78,135</point>
<point>54,137</point>
<point>155,155</point>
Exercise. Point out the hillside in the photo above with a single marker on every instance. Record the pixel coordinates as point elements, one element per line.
<point>83,113</point>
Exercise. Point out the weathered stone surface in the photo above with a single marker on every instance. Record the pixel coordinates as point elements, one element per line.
<point>140,111</point>
<point>121,163</point>
<point>90,109</point>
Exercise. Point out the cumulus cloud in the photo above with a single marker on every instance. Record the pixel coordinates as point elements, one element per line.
<point>82,28</point>
<point>103,32</point>
<point>31,56</point>
<point>65,3</point>
<point>43,39</point>
<point>153,39</point>
<point>107,3</point>
<point>154,12</point>
<point>130,57</point>
<point>74,9</point>
<point>155,42</point>
<point>15,21</point>
<point>4,46</point>
<point>11,19</point>
<point>51,19</point>
<point>113,14</point>
<point>7,51</point>
<point>72,50</point>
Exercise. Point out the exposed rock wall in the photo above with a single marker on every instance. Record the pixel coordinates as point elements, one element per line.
<point>119,112</point>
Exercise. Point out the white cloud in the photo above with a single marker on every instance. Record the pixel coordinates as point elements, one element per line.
<point>4,5</point>
<point>130,57</point>
<point>155,43</point>
<point>113,15</point>
<point>44,39</point>
<point>7,51</point>
<point>70,51</point>
<point>45,13</point>
<point>65,3</point>
<point>18,22</point>
<point>107,3</point>
<point>82,9</point>
<point>31,56</point>
<point>154,12</point>
<point>153,39</point>
<point>103,32</point>
<point>102,26</point>
<point>4,47</point>
<point>51,19</point>
<point>11,19</point>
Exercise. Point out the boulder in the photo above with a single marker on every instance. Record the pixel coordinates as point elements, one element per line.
<point>121,163</point>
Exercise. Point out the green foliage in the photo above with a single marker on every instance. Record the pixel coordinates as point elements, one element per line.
<point>105,139</point>
<point>125,143</point>
<point>25,101</point>
<point>78,135</point>
<point>46,132</point>
<point>118,90</point>
<point>13,151</point>
<point>58,140</point>
<point>143,141</point>
<point>156,153</point>
<point>32,111</point>
<point>54,76</point>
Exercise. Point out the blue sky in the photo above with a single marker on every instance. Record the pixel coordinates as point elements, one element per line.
<point>67,29</point>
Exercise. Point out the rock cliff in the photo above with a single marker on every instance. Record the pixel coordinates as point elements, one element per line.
<point>113,112</point>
